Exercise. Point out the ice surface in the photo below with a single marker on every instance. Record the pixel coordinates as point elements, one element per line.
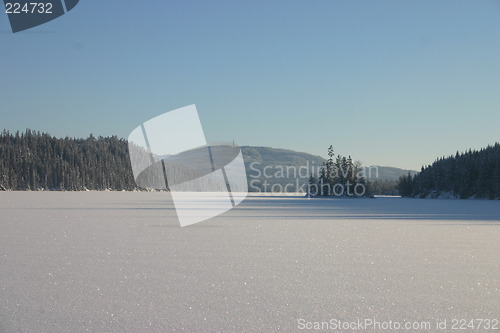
<point>119,262</point>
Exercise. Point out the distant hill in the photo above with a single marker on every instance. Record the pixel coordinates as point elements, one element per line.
<point>285,166</point>
<point>276,170</point>
<point>391,173</point>
<point>278,156</point>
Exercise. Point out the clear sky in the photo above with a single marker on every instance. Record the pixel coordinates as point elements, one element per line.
<point>394,83</point>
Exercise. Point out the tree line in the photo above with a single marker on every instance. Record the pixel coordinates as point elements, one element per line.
<point>37,161</point>
<point>473,174</point>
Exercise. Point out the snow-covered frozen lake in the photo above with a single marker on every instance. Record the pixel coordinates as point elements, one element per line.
<point>119,262</point>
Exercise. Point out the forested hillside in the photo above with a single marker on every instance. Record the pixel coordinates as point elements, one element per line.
<point>474,174</point>
<point>38,161</point>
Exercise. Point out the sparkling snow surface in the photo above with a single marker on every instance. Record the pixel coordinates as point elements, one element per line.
<point>119,262</point>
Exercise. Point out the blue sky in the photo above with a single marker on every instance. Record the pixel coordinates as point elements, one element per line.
<point>390,82</point>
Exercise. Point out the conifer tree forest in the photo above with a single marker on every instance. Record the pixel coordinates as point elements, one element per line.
<point>37,161</point>
<point>473,174</point>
